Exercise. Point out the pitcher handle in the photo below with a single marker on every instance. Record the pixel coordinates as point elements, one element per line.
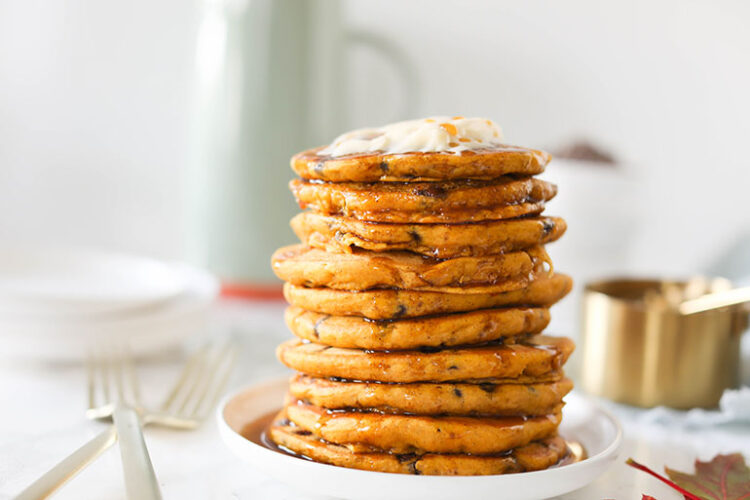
<point>400,61</point>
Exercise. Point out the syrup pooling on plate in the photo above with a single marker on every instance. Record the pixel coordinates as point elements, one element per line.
<point>258,432</point>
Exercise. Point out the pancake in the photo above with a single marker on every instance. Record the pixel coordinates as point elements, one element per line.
<point>485,163</point>
<point>362,270</point>
<point>397,304</point>
<point>537,359</point>
<point>444,241</point>
<point>422,434</point>
<point>475,327</point>
<point>432,399</point>
<point>534,456</point>
<point>426,202</point>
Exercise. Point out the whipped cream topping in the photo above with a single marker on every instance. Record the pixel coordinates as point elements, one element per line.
<point>439,134</point>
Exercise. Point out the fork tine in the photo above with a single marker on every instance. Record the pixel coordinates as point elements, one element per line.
<point>91,380</point>
<point>218,375</point>
<point>130,376</point>
<point>105,377</point>
<point>99,385</point>
<point>202,373</point>
<point>117,365</point>
<point>227,363</point>
<point>201,382</point>
<point>199,390</point>
<point>194,362</point>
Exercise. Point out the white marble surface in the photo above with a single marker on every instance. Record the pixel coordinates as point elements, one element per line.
<point>42,420</point>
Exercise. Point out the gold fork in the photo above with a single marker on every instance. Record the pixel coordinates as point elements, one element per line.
<point>187,405</point>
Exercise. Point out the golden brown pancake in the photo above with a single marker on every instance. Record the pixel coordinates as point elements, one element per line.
<point>474,327</point>
<point>432,399</point>
<point>426,202</point>
<point>361,270</point>
<point>397,304</point>
<point>422,434</point>
<point>486,163</point>
<point>537,359</point>
<point>417,297</point>
<point>534,456</point>
<point>444,241</point>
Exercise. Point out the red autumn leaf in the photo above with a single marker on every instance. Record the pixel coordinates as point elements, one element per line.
<point>725,477</point>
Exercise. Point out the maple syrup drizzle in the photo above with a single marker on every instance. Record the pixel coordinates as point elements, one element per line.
<point>257,432</point>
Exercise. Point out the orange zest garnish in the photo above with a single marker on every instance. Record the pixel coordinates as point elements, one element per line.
<point>464,139</point>
<point>450,128</point>
<point>453,144</point>
<point>457,118</point>
<point>429,120</point>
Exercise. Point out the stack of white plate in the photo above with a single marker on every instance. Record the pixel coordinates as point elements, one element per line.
<point>58,304</point>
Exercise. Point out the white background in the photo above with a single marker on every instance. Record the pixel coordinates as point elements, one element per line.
<point>95,101</point>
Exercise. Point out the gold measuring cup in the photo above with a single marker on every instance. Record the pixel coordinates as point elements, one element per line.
<point>653,342</point>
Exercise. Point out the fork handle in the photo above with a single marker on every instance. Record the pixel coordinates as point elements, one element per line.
<point>69,466</point>
<point>140,479</point>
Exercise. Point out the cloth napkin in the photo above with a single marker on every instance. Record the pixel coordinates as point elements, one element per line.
<point>734,409</point>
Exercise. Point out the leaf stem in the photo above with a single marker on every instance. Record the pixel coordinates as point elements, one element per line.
<point>663,479</point>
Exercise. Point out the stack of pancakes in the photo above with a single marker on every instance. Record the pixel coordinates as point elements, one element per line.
<point>418,297</point>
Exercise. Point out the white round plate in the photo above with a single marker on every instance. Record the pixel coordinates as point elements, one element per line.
<point>143,331</point>
<point>583,421</point>
<point>50,281</point>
